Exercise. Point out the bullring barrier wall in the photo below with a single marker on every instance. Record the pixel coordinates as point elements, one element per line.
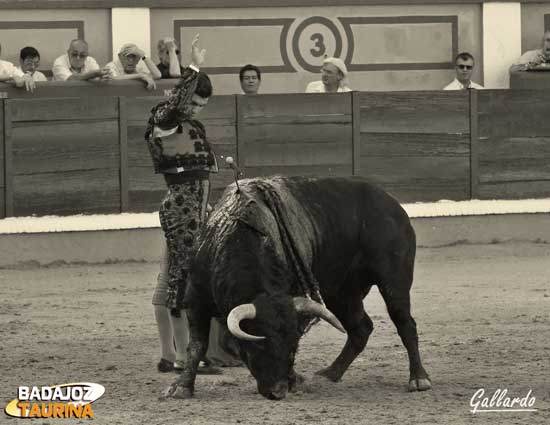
<point>78,148</point>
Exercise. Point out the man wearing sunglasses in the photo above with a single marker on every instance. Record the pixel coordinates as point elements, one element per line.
<point>464,67</point>
<point>76,64</point>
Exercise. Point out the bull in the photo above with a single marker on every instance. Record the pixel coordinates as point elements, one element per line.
<point>279,254</point>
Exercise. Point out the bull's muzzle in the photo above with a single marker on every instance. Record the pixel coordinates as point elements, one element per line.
<point>277,392</point>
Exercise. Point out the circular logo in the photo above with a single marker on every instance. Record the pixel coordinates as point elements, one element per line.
<point>314,39</point>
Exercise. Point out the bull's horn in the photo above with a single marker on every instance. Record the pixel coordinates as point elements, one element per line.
<point>241,312</point>
<point>305,305</point>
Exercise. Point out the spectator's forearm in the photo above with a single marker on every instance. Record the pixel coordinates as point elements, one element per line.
<point>174,69</point>
<point>155,73</point>
<point>518,67</point>
<point>84,76</point>
<point>129,77</point>
<point>18,81</point>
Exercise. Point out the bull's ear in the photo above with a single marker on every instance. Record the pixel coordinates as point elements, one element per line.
<point>305,305</point>
<point>241,312</point>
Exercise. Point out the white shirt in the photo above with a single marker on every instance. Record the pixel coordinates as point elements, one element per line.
<point>8,70</point>
<point>62,67</point>
<point>117,69</point>
<point>319,87</point>
<point>528,56</point>
<point>457,85</point>
<point>37,76</point>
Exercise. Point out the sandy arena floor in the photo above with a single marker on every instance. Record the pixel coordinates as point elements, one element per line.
<point>483,314</point>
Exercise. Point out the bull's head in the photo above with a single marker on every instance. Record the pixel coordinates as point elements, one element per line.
<point>269,338</point>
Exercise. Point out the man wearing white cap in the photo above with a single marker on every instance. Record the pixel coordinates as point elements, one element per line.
<point>132,64</point>
<point>334,78</point>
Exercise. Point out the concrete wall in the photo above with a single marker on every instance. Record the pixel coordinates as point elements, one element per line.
<point>395,47</point>
<point>50,31</point>
<point>532,23</point>
<point>391,39</point>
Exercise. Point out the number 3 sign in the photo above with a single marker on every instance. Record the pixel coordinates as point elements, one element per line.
<point>315,38</point>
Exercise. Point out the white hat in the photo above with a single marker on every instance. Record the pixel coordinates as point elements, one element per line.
<point>339,63</point>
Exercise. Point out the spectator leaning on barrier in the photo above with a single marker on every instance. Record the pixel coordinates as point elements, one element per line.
<point>464,67</point>
<point>10,74</point>
<point>168,52</point>
<point>169,65</point>
<point>29,61</point>
<point>250,78</point>
<point>534,58</point>
<point>77,64</point>
<point>334,78</point>
<point>132,64</point>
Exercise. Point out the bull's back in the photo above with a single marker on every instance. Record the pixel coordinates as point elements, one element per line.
<point>360,228</point>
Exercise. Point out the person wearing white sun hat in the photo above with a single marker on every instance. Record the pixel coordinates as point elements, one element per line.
<point>334,78</point>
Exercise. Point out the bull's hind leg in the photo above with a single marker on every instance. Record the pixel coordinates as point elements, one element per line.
<point>358,326</point>
<point>199,329</point>
<point>397,298</point>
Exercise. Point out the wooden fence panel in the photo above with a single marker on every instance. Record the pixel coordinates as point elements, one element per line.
<point>416,145</point>
<point>514,144</point>
<point>296,134</point>
<point>146,189</point>
<point>64,160</point>
<point>220,120</point>
<point>2,163</point>
<point>65,109</point>
<point>433,112</point>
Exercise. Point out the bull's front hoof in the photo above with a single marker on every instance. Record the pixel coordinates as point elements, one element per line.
<point>330,374</point>
<point>420,384</point>
<point>177,390</point>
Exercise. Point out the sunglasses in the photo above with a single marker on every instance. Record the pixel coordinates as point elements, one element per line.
<point>79,55</point>
<point>465,67</point>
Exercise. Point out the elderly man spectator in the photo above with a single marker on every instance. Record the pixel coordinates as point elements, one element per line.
<point>77,64</point>
<point>464,67</point>
<point>29,61</point>
<point>169,65</point>
<point>534,58</point>
<point>133,65</point>
<point>334,78</point>
<point>250,78</point>
<point>10,74</point>
<point>167,50</point>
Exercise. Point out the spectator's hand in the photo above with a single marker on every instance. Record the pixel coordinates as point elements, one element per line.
<point>170,44</point>
<point>197,55</point>
<point>139,52</point>
<point>149,82</point>
<point>104,74</point>
<point>536,61</point>
<point>29,82</point>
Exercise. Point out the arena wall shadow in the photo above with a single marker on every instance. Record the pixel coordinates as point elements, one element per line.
<point>24,250</point>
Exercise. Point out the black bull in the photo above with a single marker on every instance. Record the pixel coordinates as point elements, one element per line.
<point>275,250</point>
